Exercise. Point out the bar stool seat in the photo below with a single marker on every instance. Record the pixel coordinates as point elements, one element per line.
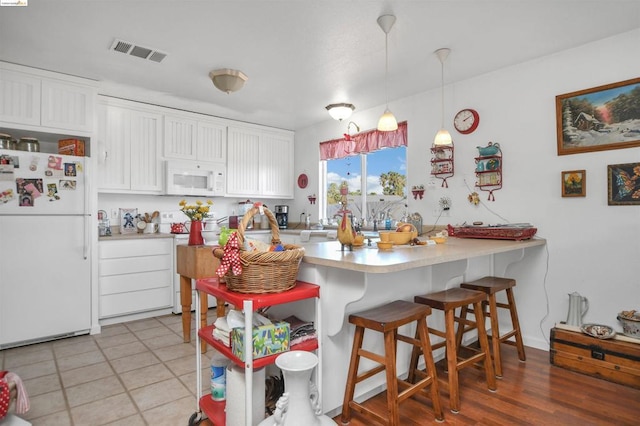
<point>387,319</point>
<point>490,286</point>
<point>448,301</point>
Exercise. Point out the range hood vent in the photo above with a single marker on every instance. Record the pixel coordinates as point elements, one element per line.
<point>132,49</point>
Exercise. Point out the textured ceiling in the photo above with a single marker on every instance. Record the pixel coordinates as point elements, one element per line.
<point>299,55</point>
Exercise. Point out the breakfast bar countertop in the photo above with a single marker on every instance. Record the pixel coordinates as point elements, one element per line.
<point>402,257</point>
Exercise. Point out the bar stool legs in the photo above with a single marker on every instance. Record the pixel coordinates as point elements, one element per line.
<point>448,301</point>
<point>491,286</point>
<point>387,319</point>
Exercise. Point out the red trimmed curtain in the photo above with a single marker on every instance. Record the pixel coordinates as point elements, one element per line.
<point>362,143</point>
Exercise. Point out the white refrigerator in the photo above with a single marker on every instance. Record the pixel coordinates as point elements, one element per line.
<point>45,257</point>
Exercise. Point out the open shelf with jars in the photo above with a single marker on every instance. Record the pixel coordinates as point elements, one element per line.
<point>442,162</point>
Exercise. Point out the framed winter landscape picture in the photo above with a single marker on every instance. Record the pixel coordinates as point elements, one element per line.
<point>600,118</point>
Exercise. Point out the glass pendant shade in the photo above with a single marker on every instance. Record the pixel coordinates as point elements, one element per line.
<point>443,137</point>
<point>387,122</point>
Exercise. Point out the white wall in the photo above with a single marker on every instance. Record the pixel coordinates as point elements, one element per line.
<point>593,248</point>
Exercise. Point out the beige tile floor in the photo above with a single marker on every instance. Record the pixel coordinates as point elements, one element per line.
<point>134,373</point>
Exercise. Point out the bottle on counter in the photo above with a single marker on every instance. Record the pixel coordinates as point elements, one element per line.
<point>219,376</point>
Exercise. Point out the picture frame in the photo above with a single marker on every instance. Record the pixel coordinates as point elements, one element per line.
<point>623,183</point>
<point>599,118</point>
<point>128,221</point>
<point>574,183</point>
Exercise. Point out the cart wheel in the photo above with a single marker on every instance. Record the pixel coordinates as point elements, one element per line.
<point>195,419</point>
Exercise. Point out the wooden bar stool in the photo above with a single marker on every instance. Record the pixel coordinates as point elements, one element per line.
<point>490,286</point>
<point>387,319</point>
<point>448,301</point>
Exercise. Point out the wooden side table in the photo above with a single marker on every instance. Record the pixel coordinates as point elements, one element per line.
<point>194,262</point>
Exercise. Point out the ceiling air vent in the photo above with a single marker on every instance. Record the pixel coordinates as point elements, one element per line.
<point>132,49</point>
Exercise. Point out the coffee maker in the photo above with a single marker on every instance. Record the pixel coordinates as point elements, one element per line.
<point>282,216</point>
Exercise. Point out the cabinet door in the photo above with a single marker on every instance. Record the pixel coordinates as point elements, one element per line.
<point>146,166</point>
<point>243,159</point>
<point>114,140</point>
<point>211,142</point>
<point>19,98</point>
<point>179,137</point>
<point>67,106</point>
<point>276,165</point>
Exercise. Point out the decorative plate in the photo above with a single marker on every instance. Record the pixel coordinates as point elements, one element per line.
<point>303,180</point>
<point>598,331</point>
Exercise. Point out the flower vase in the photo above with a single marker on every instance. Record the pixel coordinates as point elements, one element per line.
<point>195,233</point>
<point>300,403</point>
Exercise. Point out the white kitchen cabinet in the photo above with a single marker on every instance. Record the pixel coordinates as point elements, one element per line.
<point>191,137</point>
<point>31,97</point>
<point>135,276</point>
<point>129,139</point>
<point>259,162</point>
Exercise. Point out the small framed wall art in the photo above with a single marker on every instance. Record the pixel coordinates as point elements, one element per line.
<point>574,183</point>
<point>623,184</point>
<point>128,221</point>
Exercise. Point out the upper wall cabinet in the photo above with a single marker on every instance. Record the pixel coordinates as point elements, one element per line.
<point>259,162</point>
<point>36,100</point>
<point>129,141</point>
<point>194,138</point>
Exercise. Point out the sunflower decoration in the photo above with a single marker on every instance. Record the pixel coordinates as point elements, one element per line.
<point>197,211</point>
<point>474,198</point>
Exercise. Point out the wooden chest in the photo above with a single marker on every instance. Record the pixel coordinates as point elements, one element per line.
<point>612,360</point>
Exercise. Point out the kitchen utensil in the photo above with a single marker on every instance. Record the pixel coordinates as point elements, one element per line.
<point>151,228</point>
<point>29,144</point>
<point>578,307</point>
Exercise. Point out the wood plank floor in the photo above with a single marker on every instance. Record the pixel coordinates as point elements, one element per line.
<point>530,393</point>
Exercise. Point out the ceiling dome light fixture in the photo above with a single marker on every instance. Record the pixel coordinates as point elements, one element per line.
<point>340,111</point>
<point>387,122</point>
<point>228,80</point>
<point>443,137</point>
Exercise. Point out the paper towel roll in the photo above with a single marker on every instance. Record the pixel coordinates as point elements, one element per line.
<point>235,410</point>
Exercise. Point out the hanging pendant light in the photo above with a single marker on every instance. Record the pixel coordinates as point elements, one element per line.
<point>443,137</point>
<point>388,121</point>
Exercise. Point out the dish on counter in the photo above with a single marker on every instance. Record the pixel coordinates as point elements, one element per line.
<point>385,245</point>
<point>598,331</point>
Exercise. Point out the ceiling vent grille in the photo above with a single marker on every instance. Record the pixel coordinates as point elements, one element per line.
<point>132,49</point>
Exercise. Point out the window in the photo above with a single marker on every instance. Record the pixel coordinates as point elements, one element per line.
<point>381,195</point>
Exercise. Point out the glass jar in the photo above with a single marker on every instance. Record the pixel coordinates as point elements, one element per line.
<point>29,144</point>
<point>5,141</point>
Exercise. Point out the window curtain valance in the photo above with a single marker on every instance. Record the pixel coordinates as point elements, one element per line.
<point>362,143</point>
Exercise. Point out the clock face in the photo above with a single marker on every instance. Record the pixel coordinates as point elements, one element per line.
<point>466,121</point>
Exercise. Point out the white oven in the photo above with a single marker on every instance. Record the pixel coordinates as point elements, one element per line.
<point>197,178</point>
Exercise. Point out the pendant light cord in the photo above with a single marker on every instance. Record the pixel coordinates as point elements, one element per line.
<point>442,93</point>
<point>386,67</point>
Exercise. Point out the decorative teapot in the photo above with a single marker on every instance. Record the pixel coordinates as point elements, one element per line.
<point>578,307</point>
<point>491,149</point>
<point>178,228</point>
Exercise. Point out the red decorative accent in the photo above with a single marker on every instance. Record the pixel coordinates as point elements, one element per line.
<point>417,193</point>
<point>303,181</point>
<point>195,233</point>
<point>231,257</point>
<point>312,199</point>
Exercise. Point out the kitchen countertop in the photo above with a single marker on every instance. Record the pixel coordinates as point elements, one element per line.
<point>370,259</point>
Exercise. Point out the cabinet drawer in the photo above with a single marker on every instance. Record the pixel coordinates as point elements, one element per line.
<point>127,303</point>
<point>134,248</point>
<point>135,282</point>
<point>134,265</point>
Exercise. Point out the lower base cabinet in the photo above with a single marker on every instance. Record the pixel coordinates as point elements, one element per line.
<point>135,276</point>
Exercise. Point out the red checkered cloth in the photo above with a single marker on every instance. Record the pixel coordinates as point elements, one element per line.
<point>231,257</point>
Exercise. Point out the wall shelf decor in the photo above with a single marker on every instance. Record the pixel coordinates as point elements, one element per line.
<point>489,169</point>
<point>442,162</point>
<point>417,191</point>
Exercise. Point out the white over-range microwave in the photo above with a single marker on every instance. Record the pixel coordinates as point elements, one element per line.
<point>197,178</point>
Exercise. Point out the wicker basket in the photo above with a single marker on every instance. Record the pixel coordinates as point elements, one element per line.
<point>264,272</point>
